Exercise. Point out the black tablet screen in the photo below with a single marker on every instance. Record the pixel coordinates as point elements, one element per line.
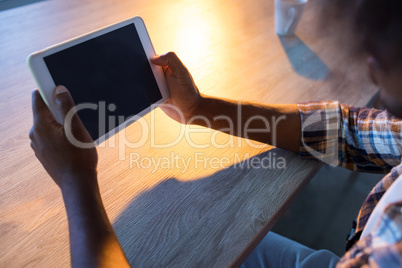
<point>110,71</point>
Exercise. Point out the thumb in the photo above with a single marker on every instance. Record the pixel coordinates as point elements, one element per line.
<point>64,101</point>
<point>170,60</point>
<point>66,106</point>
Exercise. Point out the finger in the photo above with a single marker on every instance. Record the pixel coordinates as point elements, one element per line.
<point>66,106</point>
<point>64,101</point>
<point>33,146</point>
<point>31,134</point>
<point>32,138</point>
<point>39,108</point>
<point>171,60</point>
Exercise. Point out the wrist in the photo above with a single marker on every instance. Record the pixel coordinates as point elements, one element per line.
<point>77,183</point>
<point>198,109</point>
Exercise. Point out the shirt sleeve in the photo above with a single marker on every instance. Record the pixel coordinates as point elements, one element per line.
<point>382,247</point>
<point>355,138</point>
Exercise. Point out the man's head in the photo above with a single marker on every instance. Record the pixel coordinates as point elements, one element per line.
<point>371,29</point>
<point>378,23</point>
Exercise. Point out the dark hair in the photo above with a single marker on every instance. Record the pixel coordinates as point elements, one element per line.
<point>365,27</point>
<point>379,25</point>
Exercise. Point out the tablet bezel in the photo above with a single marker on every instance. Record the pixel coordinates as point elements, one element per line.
<point>46,84</point>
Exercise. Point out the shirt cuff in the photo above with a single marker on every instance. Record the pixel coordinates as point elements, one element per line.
<point>320,130</point>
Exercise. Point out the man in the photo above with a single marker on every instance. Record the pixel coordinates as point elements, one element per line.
<point>362,139</point>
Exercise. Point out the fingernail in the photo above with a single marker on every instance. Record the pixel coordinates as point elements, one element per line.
<point>60,89</point>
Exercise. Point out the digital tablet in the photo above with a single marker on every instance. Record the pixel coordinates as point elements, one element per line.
<point>108,73</point>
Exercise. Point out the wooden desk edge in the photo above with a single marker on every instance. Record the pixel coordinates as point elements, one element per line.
<point>268,226</point>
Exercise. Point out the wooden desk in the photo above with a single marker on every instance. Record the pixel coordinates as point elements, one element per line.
<point>207,216</point>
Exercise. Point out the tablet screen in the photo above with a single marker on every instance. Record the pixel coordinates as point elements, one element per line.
<point>111,71</point>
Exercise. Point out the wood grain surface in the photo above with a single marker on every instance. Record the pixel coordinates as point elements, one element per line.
<point>210,214</point>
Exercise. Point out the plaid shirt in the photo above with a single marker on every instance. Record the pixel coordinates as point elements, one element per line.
<point>366,140</point>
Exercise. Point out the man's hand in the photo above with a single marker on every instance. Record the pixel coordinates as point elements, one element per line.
<point>93,242</point>
<point>192,107</point>
<point>62,160</point>
<point>184,94</point>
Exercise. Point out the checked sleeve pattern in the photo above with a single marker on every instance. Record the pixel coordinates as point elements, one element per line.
<point>360,139</point>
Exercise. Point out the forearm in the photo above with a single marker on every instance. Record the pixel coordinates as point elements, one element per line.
<point>93,242</point>
<point>275,124</point>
